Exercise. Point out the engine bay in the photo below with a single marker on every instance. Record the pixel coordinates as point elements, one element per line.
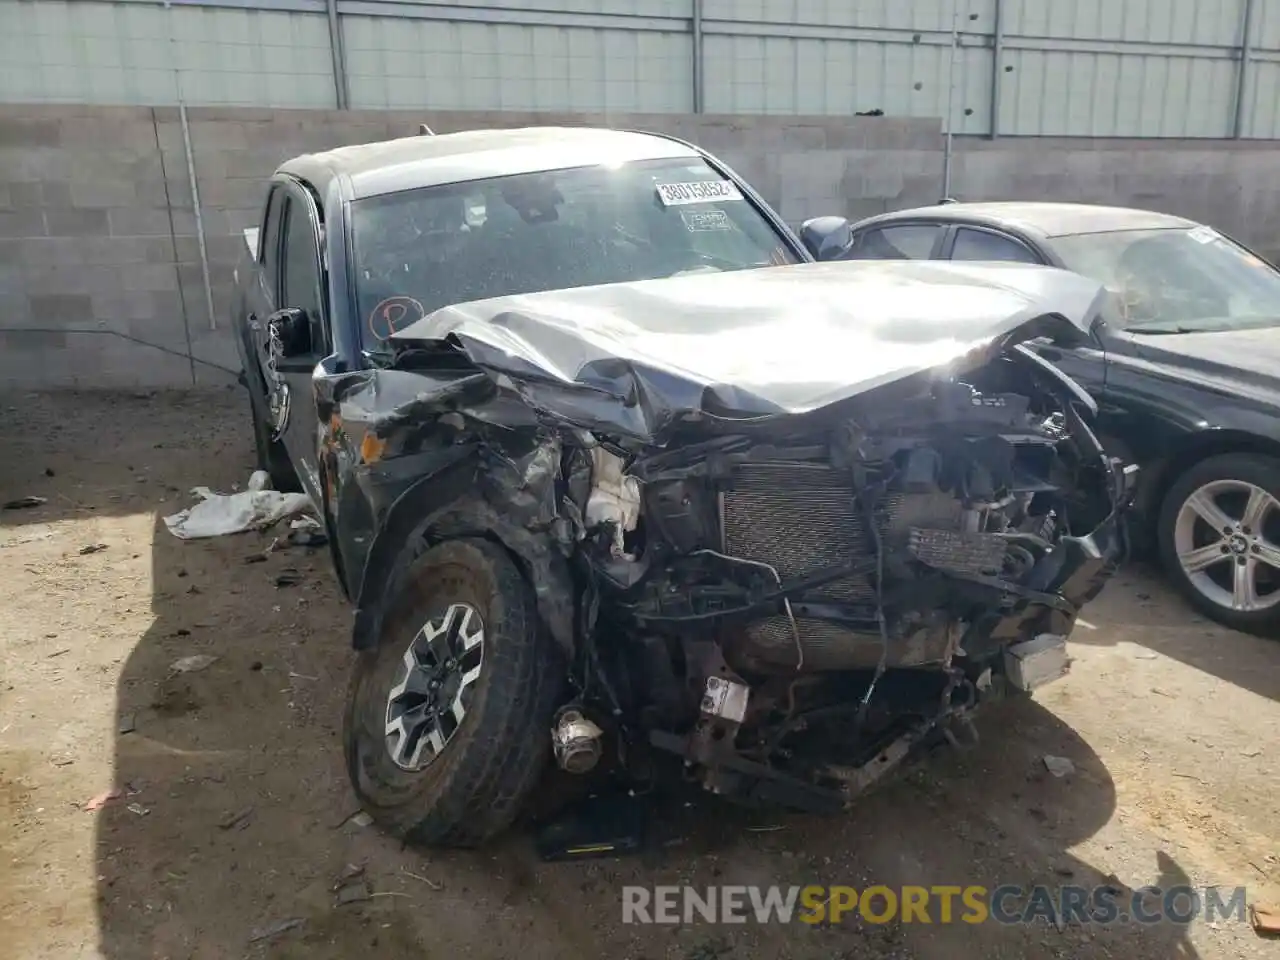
<point>875,568</point>
<point>795,551</point>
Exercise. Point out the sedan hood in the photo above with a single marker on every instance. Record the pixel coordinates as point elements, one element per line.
<point>635,358</point>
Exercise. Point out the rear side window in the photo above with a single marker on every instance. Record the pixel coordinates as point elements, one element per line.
<point>908,241</point>
<point>982,245</point>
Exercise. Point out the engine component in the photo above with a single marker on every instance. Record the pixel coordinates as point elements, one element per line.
<point>856,780</point>
<point>914,640</point>
<point>680,515</point>
<point>726,699</point>
<point>921,469</point>
<point>614,499</point>
<point>974,554</point>
<point>802,517</point>
<point>798,518</point>
<point>1033,663</point>
<point>575,740</point>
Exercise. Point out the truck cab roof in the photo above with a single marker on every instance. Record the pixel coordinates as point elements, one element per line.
<point>388,166</point>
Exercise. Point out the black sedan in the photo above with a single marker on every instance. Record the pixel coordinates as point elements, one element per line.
<point>1185,366</point>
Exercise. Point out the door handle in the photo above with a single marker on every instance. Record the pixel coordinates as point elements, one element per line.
<point>252,320</point>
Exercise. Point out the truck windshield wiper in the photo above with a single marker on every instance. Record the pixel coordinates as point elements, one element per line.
<point>1156,331</point>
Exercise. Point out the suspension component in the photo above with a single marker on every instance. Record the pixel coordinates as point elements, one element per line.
<point>575,740</point>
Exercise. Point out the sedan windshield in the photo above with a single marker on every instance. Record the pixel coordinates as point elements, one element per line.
<point>418,250</point>
<point>1176,280</point>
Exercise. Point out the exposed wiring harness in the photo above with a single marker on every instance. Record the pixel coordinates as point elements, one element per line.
<point>867,504</point>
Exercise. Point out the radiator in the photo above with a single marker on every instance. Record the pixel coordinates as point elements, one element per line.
<point>800,518</point>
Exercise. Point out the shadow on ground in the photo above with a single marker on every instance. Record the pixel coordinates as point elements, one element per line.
<point>234,822</point>
<point>1140,607</point>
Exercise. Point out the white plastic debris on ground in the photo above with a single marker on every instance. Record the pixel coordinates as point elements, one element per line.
<point>255,508</point>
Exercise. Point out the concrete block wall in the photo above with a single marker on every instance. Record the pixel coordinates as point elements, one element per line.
<point>1230,184</point>
<point>87,224</point>
<point>100,276</point>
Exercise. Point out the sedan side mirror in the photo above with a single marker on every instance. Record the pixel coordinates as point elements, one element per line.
<point>827,238</point>
<point>292,327</point>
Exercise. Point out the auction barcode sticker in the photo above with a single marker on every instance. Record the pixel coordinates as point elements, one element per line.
<point>705,191</point>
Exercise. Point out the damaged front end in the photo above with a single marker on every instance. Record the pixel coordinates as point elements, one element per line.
<point>855,592</point>
<point>787,594</point>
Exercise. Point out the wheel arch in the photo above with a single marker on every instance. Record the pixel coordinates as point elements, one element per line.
<point>444,506</point>
<point>1160,477</point>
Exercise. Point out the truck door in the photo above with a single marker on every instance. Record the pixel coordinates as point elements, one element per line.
<point>261,298</point>
<point>296,335</point>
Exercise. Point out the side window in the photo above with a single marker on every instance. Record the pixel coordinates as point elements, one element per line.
<point>301,281</point>
<point>908,241</point>
<point>981,245</point>
<point>269,242</point>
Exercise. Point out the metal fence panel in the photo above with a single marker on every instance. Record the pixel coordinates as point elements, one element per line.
<point>406,64</point>
<point>1146,68</point>
<point>1077,93</point>
<point>1206,23</point>
<point>55,51</point>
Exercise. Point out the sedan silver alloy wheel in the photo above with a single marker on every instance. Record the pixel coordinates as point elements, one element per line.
<point>1221,541</point>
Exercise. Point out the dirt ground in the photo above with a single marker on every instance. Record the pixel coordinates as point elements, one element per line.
<point>1172,725</point>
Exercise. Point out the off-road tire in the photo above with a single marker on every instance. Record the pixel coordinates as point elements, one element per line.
<point>1257,469</point>
<point>474,789</point>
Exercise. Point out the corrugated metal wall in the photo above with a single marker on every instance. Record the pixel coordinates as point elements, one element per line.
<point>1149,68</point>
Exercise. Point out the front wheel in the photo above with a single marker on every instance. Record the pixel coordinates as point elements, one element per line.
<point>1219,540</point>
<point>448,719</point>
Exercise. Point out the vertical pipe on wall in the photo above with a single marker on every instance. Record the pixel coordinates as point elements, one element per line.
<point>195,203</point>
<point>951,97</point>
<point>191,171</point>
<point>997,55</point>
<point>696,29</point>
<point>173,242</point>
<point>1242,74</point>
<point>338,49</point>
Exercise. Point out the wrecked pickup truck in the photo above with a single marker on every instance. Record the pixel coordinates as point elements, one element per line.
<point>611,477</point>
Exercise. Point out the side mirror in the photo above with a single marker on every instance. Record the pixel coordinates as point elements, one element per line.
<point>292,328</point>
<point>827,238</point>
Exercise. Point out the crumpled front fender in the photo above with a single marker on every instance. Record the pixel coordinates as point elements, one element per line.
<point>444,506</point>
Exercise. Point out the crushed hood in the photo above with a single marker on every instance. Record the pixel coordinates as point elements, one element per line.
<point>634,358</point>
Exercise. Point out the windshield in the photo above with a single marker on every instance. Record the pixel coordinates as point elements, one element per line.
<point>1176,281</point>
<point>419,250</point>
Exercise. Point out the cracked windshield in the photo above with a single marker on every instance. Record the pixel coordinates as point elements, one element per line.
<point>419,250</point>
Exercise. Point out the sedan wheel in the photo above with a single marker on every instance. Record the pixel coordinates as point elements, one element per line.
<point>1220,539</point>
